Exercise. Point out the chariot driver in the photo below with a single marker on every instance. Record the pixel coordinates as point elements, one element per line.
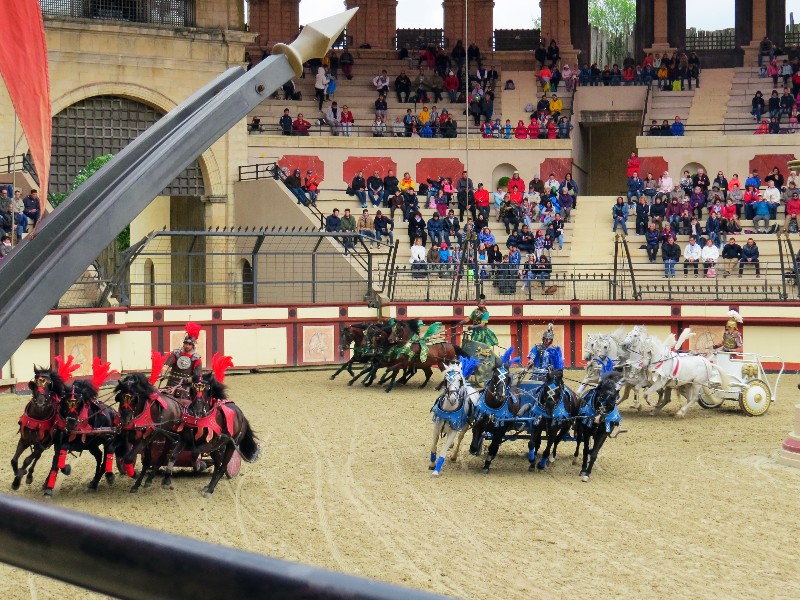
<point>732,338</point>
<point>479,324</point>
<point>546,356</point>
<point>184,363</point>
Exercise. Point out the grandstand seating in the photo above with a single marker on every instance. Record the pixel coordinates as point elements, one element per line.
<point>667,105</point>
<point>746,82</point>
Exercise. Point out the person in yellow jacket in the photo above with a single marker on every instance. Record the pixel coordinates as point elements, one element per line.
<point>424,115</point>
<point>556,107</point>
<point>406,183</point>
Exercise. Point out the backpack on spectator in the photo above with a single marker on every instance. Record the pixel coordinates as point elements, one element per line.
<point>529,108</point>
<point>676,86</point>
<point>510,85</point>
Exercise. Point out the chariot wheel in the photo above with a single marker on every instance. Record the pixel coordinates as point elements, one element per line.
<point>755,398</point>
<point>718,399</point>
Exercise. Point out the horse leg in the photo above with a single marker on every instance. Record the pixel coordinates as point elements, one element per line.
<point>586,450</point>
<point>395,371</point>
<point>21,445</point>
<point>694,396</point>
<point>599,439</point>
<point>579,433</point>
<point>32,460</point>
<point>346,365</point>
<point>477,437</point>
<point>437,431</point>
<point>655,388</point>
<point>97,454</point>
<point>59,461</point>
<point>457,449</point>
<point>533,446</point>
<point>428,374</point>
<point>360,373</point>
<point>167,481</point>
<point>498,431</point>
<point>448,442</point>
<point>146,466</point>
<point>552,432</point>
<point>219,468</point>
<point>562,431</point>
<point>370,378</point>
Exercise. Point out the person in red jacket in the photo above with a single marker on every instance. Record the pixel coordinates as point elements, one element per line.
<point>300,126</point>
<point>521,132</point>
<point>792,210</point>
<point>533,129</point>
<point>633,164</point>
<point>482,201</point>
<point>551,129</point>
<point>516,183</point>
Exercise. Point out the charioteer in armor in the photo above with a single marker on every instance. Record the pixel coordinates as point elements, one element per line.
<point>546,356</point>
<point>732,338</point>
<point>479,324</point>
<point>184,363</point>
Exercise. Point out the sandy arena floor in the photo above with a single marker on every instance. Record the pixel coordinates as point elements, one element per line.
<point>675,509</point>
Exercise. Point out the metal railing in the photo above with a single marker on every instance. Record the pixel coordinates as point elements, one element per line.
<point>710,40</point>
<point>515,39</point>
<point>745,128</point>
<point>18,162</point>
<point>131,562</point>
<point>321,129</point>
<point>418,39</point>
<point>174,13</point>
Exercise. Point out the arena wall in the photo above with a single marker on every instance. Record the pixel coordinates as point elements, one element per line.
<point>260,337</point>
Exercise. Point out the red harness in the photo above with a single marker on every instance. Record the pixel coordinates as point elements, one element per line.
<point>207,426</point>
<point>42,426</point>
<point>143,424</point>
<point>83,428</point>
<point>675,370</point>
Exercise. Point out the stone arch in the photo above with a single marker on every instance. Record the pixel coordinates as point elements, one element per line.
<point>213,177</point>
<point>691,167</point>
<point>501,170</point>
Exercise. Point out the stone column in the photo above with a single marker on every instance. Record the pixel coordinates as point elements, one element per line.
<point>375,23</point>
<point>676,26</point>
<point>643,29</point>
<point>481,23</point>
<point>758,31</point>
<point>661,19</point>
<point>557,25</point>
<point>776,22</point>
<point>273,21</point>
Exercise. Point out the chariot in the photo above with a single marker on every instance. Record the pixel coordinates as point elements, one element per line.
<point>750,385</point>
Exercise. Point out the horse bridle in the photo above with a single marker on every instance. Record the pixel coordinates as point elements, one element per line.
<point>42,395</point>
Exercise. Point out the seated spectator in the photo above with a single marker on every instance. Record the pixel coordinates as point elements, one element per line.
<point>378,127</point>
<point>565,128</point>
<point>381,83</point>
<point>709,255</point>
<point>384,227</point>
<point>713,228</point>
<point>670,254</point>
<point>692,254</point>
<point>750,256</point>
<point>543,269</point>
<point>619,214</point>
<point>366,227</point>
<point>254,126</point>
<point>346,62</point>
<point>758,107</point>
<point>300,126</point>
<point>665,186</point>
<point>544,76</point>
<point>557,227</point>
<point>5,245</point>
<point>333,222</point>
<point>311,186</point>
<point>729,216</point>
<point>417,228</point>
<point>381,106</point>
<point>642,216</point>
<point>407,183</point>
<point>32,207</point>
<point>452,228</point>
<point>451,86</point>
<point>417,258</point>
<point>760,215</point>
<point>359,188</point>
<point>402,87</point>
<point>347,121</point>
<point>521,132</point>
<point>763,128</point>
<point>774,125</point>
<point>792,212</point>
<point>652,241</point>
<point>731,255</point>
<point>658,212</point>
<point>677,127</point>
<point>540,54</point>
<point>296,187</point>
<point>398,127</point>
<point>635,188</point>
<point>375,189</point>
<point>486,237</point>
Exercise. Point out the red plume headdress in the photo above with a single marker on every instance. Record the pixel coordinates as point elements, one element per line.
<point>101,370</point>
<point>66,367</point>
<point>158,361</point>
<point>192,332</point>
<point>220,364</point>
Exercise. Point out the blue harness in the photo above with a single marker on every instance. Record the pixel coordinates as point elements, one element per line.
<point>588,414</point>
<point>456,419</point>
<point>606,366</point>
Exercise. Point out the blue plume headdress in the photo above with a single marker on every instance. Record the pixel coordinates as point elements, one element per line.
<point>506,359</point>
<point>468,366</point>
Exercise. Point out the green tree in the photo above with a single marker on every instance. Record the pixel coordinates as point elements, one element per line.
<point>94,165</point>
<point>617,18</point>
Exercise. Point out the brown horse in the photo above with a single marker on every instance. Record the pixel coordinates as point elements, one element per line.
<point>37,423</point>
<point>407,355</point>
<point>149,424</point>
<point>214,425</point>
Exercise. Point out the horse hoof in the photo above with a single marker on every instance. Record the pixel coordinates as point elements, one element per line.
<point>453,458</point>
<point>435,474</point>
<point>206,493</point>
<point>332,377</point>
<point>679,415</point>
<point>431,466</point>
<point>67,469</point>
<point>15,484</point>
<point>166,485</point>
<point>532,468</point>
<point>48,494</point>
<point>485,471</point>
<point>110,478</point>
<point>91,486</point>
<point>29,479</point>
<point>585,478</point>
<point>147,484</point>
<point>350,382</point>
<point>134,490</point>
<point>638,408</point>
<point>574,460</point>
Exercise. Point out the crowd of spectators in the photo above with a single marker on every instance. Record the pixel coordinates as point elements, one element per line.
<point>17,214</point>
<point>708,211</point>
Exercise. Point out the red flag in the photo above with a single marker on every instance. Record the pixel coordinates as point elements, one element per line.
<point>23,65</point>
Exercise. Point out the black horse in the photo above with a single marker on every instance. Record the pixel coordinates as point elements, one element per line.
<point>37,425</point>
<point>557,406</point>
<point>499,411</point>
<point>87,425</point>
<point>214,425</point>
<point>597,418</point>
<point>149,425</point>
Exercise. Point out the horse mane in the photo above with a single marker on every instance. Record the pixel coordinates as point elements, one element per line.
<point>218,390</point>
<point>608,383</point>
<point>85,389</point>
<point>139,384</point>
<point>413,325</point>
<point>59,387</point>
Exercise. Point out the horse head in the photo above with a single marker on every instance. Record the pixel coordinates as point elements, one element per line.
<point>45,385</point>
<point>552,390</point>
<point>131,393</point>
<point>634,338</point>
<point>77,395</point>
<point>607,393</point>
<point>204,393</point>
<point>352,333</point>
<point>588,347</point>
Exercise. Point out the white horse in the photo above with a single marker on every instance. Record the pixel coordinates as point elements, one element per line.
<point>598,349</point>
<point>688,373</point>
<point>453,412</point>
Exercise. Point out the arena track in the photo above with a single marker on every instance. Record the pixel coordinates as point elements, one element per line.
<point>675,509</point>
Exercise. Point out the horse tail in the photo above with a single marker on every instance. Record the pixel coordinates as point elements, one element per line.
<point>460,351</point>
<point>249,447</point>
<point>723,375</point>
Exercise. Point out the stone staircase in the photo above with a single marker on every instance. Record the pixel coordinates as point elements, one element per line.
<point>710,101</point>
<point>746,82</point>
<point>668,105</point>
